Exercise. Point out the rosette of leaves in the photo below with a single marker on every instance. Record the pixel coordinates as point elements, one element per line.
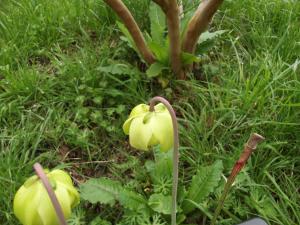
<point>158,42</point>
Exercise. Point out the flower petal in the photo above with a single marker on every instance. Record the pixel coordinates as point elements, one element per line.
<point>126,125</point>
<point>160,107</point>
<point>26,198</point>
<point>64,180</point>
<point>139,110</point>
<point>64,200</point>
<point>61,176</point>
<point>162,128</point>
<point>73,194</point>
<point>45,209</point>
<point>32,205</point>
<point>140,133</point>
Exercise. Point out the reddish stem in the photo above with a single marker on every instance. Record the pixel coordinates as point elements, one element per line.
<point>250,146</point>
<point>175,152</point>
<point>40,173</point>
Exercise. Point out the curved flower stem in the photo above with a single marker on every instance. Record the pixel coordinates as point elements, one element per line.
<point>40,173</point>
<point>250,146</point>
<point>175,153</point>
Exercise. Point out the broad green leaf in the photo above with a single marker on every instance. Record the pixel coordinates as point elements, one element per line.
<point>157,23</point>
<point>133,201</point>
<point>106,191</point>
<point>161,168</point>
<point>188,58</point>
<point>161,203</point>
<point>155,69</point>
<point>161,52</point>
<point>207,41</point>
<point>180,218</point>
<point>210,35</point>
<point>148,38</point>
<point>102,190</point>
<point>203,207</point>
<point>99,221</point>
<point>204,47</point>
<point>127,38</point>
<point>116,69</point>
<point>203,183</point>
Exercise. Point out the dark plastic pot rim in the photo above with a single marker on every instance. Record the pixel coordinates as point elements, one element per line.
<point>254,221</point>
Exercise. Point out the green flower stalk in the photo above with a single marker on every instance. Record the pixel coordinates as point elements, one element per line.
<point>45,199</point>
<point>152,125</point>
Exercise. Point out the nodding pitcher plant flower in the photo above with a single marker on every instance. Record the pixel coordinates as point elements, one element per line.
<point>146,128</point>
<point>149,125</point>
<point>32,205</point>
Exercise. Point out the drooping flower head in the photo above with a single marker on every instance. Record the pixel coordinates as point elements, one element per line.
<point>146,128</point>
<point>32,205</point>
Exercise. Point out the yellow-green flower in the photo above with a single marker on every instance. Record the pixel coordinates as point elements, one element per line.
<point>32,205</point>
<point>146,129</point>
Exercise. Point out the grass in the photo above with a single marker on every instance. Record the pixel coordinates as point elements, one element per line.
<point>58,106</point>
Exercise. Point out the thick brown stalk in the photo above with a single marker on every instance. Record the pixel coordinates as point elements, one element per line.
<point>134,30</point>
<point>174,35</point>
<point>163,4</point>
<point>170,8</point>
<point>198,23</point>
